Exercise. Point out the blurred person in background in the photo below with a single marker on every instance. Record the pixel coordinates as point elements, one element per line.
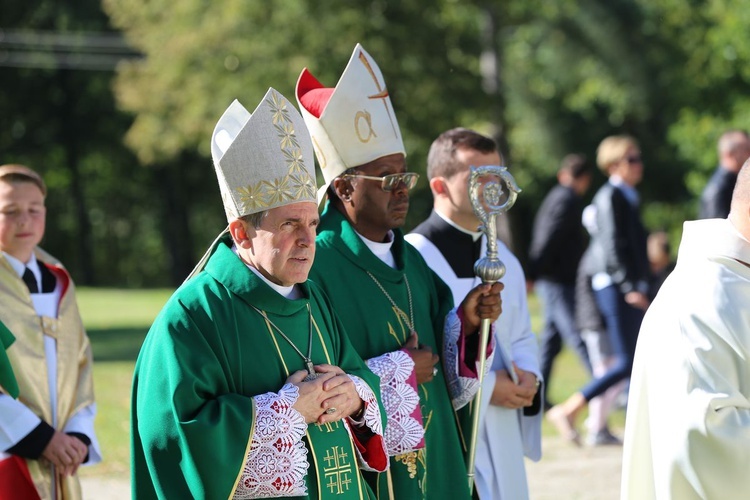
<point>734,149</point>
<point>590,323</point>
<point>617,262</point>
<point>660,260</point>
<point>557,244</point>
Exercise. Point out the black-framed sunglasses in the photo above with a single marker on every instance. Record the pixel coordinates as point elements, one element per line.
<point>391,181</point>
<point>634,159</point>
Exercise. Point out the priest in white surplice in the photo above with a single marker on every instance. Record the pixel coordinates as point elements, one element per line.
<point>688,422</point>
<point>450,244</point>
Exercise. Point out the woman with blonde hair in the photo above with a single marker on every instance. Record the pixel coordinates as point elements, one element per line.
<point>617,262</point>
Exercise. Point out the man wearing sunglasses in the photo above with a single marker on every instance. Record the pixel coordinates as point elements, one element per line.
<point>398,314</point>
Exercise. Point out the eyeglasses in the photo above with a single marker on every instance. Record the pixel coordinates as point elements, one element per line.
<point>392,181</point>
<point>634,159</point>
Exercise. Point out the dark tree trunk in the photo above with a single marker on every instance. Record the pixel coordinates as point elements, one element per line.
<point>491,66</point>
<point>69,137</point>
<point>178,238</point>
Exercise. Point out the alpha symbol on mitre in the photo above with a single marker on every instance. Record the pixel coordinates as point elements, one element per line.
<point>364,116</point>
<point>320,154</point>
<point>382,93</point>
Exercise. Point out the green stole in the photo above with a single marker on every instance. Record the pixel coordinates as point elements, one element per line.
<point>331,448</point>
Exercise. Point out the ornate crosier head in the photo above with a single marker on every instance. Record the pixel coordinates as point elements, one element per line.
<point>487,186</point>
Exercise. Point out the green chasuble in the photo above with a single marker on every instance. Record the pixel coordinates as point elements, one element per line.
<point>375,327</point>
<point>205,366</point>
<point>7,379</point>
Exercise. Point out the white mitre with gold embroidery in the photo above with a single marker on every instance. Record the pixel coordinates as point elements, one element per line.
<point>263,160</point>
<point>351,124</point>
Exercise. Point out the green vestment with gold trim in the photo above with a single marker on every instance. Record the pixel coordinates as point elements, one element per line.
<point>375,327</point>
<point>208,355</point>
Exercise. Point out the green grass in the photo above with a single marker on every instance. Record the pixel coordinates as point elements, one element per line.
<point>117,322</point>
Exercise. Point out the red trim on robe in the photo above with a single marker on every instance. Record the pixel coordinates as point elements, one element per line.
<point>62,275</point>
<point>467,367</point>
<point>15,480</point>
<point>372,449</point>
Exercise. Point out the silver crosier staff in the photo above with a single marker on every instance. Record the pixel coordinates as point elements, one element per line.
<point>486,193</point>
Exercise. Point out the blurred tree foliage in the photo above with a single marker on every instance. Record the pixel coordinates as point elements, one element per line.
<point>545,78</point>
<point>64,123</point>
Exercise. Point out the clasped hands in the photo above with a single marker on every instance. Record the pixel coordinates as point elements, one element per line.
<point>508,394</point>
<point>65,452</point>
<point>328,398</point>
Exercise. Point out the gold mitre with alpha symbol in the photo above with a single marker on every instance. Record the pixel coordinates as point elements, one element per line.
<point>263,160</point>
<point>351,124</point>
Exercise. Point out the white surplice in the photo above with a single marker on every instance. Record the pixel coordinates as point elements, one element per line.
<point>505,435</point>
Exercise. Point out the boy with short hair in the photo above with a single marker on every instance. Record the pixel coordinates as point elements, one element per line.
<point>48,432</point>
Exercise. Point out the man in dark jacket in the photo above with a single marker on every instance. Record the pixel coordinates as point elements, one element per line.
<point>734,149</point>
<point>557,244</point>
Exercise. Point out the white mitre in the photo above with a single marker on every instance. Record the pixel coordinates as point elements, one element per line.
<point>351,124</point>
<point>263,160</point>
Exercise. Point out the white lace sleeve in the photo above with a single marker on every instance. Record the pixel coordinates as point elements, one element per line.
<point>404,431</point>
<point>462,388</point>
<point>276,464</point>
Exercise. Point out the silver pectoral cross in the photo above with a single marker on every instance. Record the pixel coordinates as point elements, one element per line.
<point>312,374</point>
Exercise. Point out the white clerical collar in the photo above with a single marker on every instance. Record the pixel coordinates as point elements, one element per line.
<point>19,267</point>
<point>381,250</point>
<point>475,235</point>
<point>288,292</point>
<point>629,191</point>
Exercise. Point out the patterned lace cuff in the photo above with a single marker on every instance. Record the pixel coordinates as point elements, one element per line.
<point>462,389</point>
<point>276,464</point>
<point>372,411</point>
<point>398,386</point>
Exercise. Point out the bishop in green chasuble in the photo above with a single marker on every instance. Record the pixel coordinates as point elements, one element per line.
<point>422,434</point>
<point>246,385</point>
<point>211,415</point>
<point>387,297</point>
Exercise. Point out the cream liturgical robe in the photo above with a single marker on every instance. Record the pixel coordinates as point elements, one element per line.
<point>688,422</point>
